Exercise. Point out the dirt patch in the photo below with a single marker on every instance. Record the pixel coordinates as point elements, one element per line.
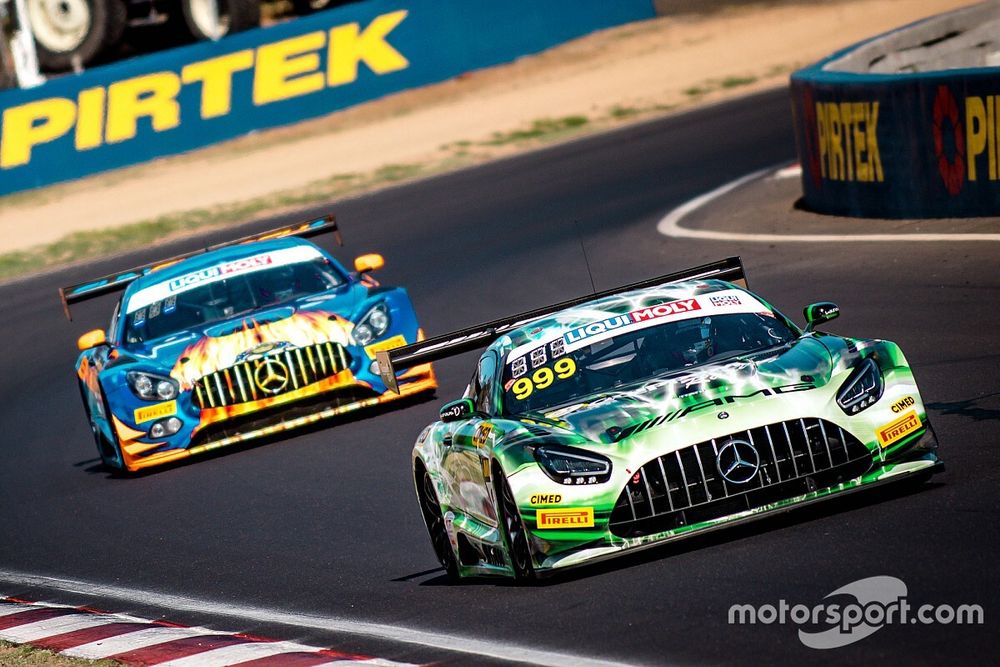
<point>587,85</point>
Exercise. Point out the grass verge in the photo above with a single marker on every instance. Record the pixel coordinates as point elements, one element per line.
<point>86,245</point>
<point>24,655</point>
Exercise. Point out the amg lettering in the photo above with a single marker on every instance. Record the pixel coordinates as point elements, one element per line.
<point>729,400</point>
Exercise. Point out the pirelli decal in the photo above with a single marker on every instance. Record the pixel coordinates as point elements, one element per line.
<point>576,517</point>
<point>152,412</point>
<point>894,431</point>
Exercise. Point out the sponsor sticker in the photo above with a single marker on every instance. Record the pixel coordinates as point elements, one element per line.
<point>229,268</point>
<point>546,499</point>
<point>725,300</point>
<point>577,517</point>
<point>892,432</point>
<point>903,403</point>
<point>387,344</point>
<point>168,290</point>
<point>482,434</point>
<point>651,313</point>
<point>151,412</point>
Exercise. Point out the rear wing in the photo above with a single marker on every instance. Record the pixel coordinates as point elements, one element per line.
<point>477,337</point>
<point>120,279</point>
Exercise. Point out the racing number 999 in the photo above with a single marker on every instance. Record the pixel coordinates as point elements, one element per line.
<point>543,378</point>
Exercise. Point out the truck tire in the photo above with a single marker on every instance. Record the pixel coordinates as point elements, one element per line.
<point>303,7</point>
<point>234,16</point>
<point>69,29</point>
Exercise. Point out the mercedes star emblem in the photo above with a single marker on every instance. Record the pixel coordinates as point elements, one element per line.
<point>271,376</point>
<point>738,461</point>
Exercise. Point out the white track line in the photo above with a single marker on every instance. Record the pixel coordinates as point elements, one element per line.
<point>394,633</point>
<point>53,626</point>
<point>670,225</point>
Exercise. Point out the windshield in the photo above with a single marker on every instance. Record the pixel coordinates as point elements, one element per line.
<point>549,376</point>
<point>222,299</point>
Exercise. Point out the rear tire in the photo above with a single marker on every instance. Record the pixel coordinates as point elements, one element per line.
<point>67,29</point>
<point>434,518</point>
<point>514,532</point>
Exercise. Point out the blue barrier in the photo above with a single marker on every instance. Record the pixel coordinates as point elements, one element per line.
<point>174,101</point>
<point>915,145</point>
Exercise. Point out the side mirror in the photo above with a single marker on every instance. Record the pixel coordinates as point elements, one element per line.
<point>370,262</point>
<point>91,339</point>
<point>456,410</point>
<point>818,313</point>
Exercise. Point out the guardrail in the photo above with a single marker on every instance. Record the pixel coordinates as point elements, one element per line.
<point>179,100</point>
<point>919,144</point>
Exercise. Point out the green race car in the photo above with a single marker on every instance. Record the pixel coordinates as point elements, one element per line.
<point>652,412</point>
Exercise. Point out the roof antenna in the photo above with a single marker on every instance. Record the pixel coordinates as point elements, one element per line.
<point>586,260</point>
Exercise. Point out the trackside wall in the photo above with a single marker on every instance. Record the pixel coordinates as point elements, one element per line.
<point>186,98</point>
<point>920,144</point>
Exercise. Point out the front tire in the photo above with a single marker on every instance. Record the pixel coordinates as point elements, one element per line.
<point>109,451</point>
<point>434,518</point>
<point>514,532</point>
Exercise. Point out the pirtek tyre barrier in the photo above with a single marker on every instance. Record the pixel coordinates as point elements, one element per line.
<point>906,125</point>
<point>186,98</point>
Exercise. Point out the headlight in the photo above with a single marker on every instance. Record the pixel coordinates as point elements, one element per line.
<point>375,323</point>
<point>151,387</point>
<point>862,389</point>
<point>165,427</point>
<point>573,466</point>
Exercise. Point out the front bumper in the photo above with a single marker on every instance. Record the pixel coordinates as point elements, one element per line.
<point>224,426</point>
<point>914,457</point>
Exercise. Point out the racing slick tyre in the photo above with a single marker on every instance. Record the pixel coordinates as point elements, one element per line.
<point>69,29</point>
<point>110,453</point>
<point>514,532</point>
<point>434,519</point>
<point>212,19</point>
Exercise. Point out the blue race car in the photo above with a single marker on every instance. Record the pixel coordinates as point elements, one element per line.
<point>249,338</point>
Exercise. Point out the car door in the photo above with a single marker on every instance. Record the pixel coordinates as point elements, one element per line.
<point>468,455</point>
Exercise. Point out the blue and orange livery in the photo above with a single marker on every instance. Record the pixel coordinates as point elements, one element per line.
<point>254,337</point>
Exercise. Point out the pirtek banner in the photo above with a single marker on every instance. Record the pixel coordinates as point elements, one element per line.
<point>921,145</point>
<point>189,97</point>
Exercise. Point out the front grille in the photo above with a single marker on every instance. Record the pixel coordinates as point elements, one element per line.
<point>241,382</point>
<point>259,419</point>
<point>685,486</point>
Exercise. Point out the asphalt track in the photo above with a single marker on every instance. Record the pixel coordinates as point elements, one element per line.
<point>325,522</point>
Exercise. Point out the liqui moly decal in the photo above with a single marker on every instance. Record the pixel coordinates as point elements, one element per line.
<point>723,302</point>
<point>681,307</point>
<point>260,262</point>
<point>229,268</point>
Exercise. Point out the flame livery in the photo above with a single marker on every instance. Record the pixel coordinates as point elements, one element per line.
<point>238,343</point>
<point>652,414</point>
